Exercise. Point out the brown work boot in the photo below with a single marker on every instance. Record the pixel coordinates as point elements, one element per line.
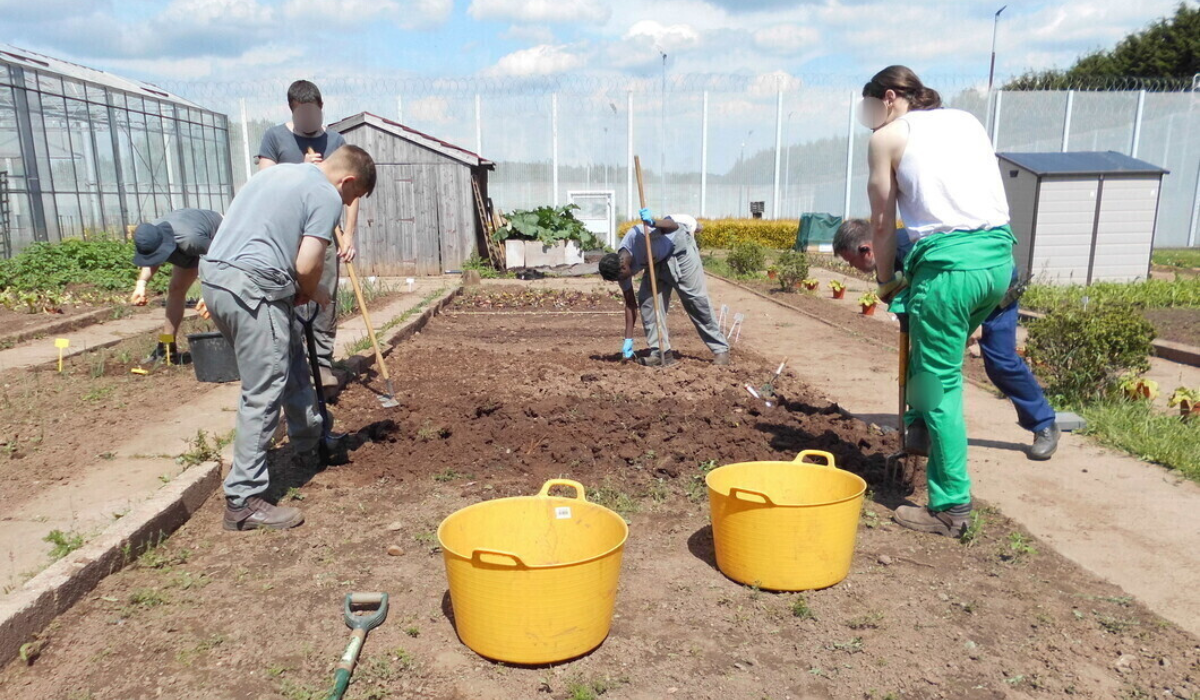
<point>653,360</point>
<point>941,523</point>
<point>257,513</point>
<point>721,359</point>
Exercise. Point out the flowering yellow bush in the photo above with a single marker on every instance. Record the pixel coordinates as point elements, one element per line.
<point>726,233</point>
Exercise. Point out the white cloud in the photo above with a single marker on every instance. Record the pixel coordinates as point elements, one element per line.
<point>428,110</point>
<point>408,14</point>
<point>788,39</point>
<point>535,11</point>
<point>667,38</point>
<point>540,60</point>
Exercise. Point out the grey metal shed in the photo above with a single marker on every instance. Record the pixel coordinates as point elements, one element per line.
<point>422,218</point>
<point>1082,217</point>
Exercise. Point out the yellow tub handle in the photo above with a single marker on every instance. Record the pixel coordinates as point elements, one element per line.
<point>735,492</point>
<point>829,460</point>
<point>478,554</point>
<point>580,492</point>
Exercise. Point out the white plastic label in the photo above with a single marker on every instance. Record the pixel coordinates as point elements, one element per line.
<point>563,512</point>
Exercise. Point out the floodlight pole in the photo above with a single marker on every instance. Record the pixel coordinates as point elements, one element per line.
<point>995,28</point>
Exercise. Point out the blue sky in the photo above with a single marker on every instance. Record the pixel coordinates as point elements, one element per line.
<point>231,40</point>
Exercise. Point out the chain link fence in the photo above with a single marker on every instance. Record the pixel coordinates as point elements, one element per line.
<point>712,144</point>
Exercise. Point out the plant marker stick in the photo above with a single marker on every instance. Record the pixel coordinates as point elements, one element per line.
<point>61,344</point>
<point>662,331</point>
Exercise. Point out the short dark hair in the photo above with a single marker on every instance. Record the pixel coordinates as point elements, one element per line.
<point>610,267</point>
<point>359,163</point>
<point>304,92</point>
<point>850,235</point>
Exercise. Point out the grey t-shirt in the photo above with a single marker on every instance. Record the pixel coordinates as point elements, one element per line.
<point>194,230</point>
<point>282,146</point>
<point>263,228</point>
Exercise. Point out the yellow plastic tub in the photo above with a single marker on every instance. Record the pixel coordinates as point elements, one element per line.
<point>533,579</point>
<point>785,526</point>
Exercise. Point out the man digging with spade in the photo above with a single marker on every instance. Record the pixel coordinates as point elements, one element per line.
<point>269,258</point>
<point>677,266</point>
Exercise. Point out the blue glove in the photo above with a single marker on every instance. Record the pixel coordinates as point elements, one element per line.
<point>646,216</point>
<point>627,348</point>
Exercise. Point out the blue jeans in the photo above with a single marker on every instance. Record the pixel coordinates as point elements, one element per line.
<point>1008,370</point>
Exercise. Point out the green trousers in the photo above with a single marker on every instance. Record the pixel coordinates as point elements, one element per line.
<point>956,282</point>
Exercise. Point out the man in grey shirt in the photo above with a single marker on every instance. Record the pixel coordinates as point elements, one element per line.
<point>179,238</point>
<point>269,257</point>
<point>305,140</point>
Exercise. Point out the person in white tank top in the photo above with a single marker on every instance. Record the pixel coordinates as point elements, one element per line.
<point>938,167</point>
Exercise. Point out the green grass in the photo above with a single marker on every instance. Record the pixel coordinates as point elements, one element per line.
<point>612,497</point>
<point>1150,294</point>
<point>347,302</point>
<point>1186,258</point>
<point>364,342</point>
<point>1156,437</point>
<point>64,543</point>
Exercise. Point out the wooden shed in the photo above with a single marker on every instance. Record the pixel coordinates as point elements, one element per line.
<point>1082,217</point>
<point>422,218</point>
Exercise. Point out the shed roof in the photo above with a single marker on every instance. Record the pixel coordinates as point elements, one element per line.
<point>397,129</point>
<point>1081,163</point>
<point>48,64</point>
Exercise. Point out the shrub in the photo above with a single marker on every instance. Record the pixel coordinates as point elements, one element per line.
<point>777,234</point>
<point>747,258</point>
<point>793,267</point>
<point>1080,354</point>
<point>1150,294</point>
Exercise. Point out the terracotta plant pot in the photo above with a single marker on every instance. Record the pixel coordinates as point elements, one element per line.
<point>810,287</point>
<point>797,285</point>
<point>771,274</point>
<point>1189,412</point>
<point>839,293</point>
<point>868,310</point>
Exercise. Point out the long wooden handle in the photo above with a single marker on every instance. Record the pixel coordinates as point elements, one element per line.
<point>362,305</point>
<point>658,322</point>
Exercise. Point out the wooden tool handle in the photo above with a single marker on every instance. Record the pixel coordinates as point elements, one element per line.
<point>662,336</point>
<point>362,306</point>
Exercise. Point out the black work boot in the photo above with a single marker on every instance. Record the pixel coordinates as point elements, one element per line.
<point>259,514</point>
<point>1045,443</point>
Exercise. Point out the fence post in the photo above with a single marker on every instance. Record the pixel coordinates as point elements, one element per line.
<point>1066,139</point>
<point>778,151</point>
<point>629,210</point>
<point>245,138</point>
<point>704,157</point>
<point>996,120</point>
<point>399,109</point>
<point>1195,217</point>
<point>554,142</point>
<point>1137,124</point>
<point>478,125</point>
<point>849,154</point>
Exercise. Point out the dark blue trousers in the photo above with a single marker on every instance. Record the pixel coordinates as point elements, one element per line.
<point>1008,370</point>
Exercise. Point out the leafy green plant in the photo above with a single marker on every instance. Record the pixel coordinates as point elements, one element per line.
<point>747,258</point>
<point>1188,401</point>
<point>1138,388</point>
<point>548,225</point>
<point>483,267</point>
<point>868,299</point>
<point>793,266</point>
<point>64,543</point>
<point>1183,292</point>
<point>1081,353</point>
<point>836,285</point>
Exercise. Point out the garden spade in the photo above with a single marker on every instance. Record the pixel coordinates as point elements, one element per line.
<point>387,400</point>
<point>376,605</point>
<point>766,392</point>
<point>893,468</point>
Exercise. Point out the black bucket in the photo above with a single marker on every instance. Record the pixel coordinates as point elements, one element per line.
<point>213,358</point>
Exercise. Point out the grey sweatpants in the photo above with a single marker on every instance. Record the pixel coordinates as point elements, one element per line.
<point>325,327</point>
<point>683,272</point>
<point>275,374</point>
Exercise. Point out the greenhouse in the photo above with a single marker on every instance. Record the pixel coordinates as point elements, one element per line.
<point>84,152</point>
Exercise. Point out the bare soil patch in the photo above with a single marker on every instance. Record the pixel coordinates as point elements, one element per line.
<point>1176,325</point>
<point>495,404</point>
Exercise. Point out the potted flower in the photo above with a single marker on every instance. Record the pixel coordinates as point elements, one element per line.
<point>1188,401</point>
<point>868,302</point>
<point>772,272</point>
<point>839,289</point>
<point>811,283</point>
<point>1138,388</point>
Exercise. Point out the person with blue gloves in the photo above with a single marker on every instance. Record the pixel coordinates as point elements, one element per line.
<point>678,267</point>
<point>997,343</point>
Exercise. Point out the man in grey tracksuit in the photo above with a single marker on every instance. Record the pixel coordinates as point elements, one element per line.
<point>269,258</point>
<point>677,267</point>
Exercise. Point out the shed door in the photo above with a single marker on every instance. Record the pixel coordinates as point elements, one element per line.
<point>1127,209</point>
<point>1062,244</point>
<point>398,224</point>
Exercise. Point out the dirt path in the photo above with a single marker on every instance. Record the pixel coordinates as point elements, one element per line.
<point>1133,523</point>
<point>497,404</point>
<point>126,452</point>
